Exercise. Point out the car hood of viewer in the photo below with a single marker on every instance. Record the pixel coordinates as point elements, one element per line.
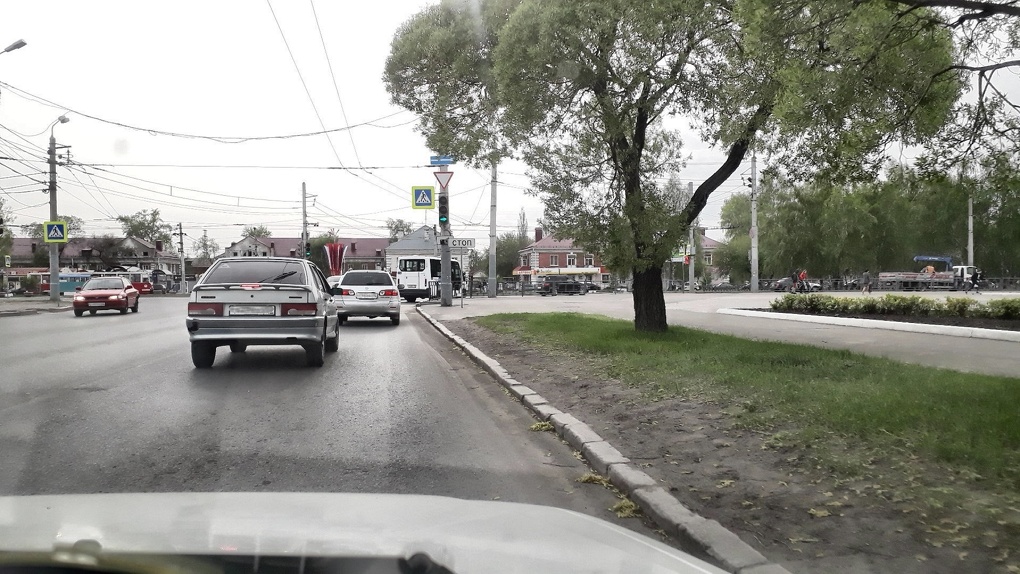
<point>463,535</point>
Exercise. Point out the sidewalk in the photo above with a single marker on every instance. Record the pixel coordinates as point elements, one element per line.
<point>700,311</point>
<point>15,306</point>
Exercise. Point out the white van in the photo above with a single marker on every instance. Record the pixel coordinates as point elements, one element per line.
<point>418,276</point>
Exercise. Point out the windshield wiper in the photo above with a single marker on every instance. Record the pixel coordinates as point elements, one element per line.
<point>283,275</point>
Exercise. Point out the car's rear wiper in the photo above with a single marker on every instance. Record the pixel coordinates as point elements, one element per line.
<point>283,275</point>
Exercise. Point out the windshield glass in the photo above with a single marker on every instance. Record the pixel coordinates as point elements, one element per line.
<point>103,283</point>
<point>257,271</point>
<point>699,231</point>
<point>370,278</point>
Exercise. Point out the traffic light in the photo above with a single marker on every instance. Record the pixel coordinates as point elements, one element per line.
<point>444,209</point>
<point>2,230</point>
<point>308,249</point>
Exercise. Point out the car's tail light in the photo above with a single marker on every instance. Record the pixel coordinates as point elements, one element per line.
<point>388,293</point>
<point>215,309</point>
<point>298,309</point>
<point>348,292</point>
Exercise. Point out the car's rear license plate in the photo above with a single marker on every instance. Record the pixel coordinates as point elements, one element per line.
<point>96,304</point>
<point>253,310</point>
<point>366,296</point>
<point>415,286</point>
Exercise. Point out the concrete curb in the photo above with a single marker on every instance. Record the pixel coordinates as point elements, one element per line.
<point>32,311</point>
<point>697,535</point>
<point>948,330</point>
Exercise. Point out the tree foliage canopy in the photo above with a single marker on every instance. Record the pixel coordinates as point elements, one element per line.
<point>880,225</point>
<point>146,225</point>
<point>256,231</point>
<point>588,92</point>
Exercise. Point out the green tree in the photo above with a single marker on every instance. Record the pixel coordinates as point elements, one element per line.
<point>205,249</point>
<point>440,67</point>
<point>6,225</point>
<point>398,228</point>
<point>256,231</point>
<point>146,225</point>
<point>508,247</point>
<point>822,86</point>
<point>75,227</point>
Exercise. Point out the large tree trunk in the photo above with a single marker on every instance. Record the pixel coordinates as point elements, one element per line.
<point>649,304</point>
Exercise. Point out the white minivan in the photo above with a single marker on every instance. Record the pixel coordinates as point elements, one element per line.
<point>418,276</point>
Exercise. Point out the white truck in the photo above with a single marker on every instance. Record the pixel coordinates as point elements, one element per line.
<point>950,278</point>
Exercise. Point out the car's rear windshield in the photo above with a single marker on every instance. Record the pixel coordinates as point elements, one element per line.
<point>94,284</point>
<point>373,279</point>
<point>257,271</point>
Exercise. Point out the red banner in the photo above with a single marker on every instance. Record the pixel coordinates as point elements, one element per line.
<point>335,257</point>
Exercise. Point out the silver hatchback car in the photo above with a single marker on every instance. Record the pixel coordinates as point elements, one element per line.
<point>367,294</point>
<point>243,301</point>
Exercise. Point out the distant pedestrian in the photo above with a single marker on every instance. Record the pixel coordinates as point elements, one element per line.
<point>794,276</point>
<point>929,271</point>
<point>803,285</point>
<point>866,282</point>
<point>975,277</point>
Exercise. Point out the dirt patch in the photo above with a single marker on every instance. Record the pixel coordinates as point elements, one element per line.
<point>810,508</point>
<point>973,322</point>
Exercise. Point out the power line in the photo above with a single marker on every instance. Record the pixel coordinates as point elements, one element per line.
<point>237,197</point>
<point>221,139</point>
<point>333,77</point>
<point>249,166</point>
<point>303,83</point>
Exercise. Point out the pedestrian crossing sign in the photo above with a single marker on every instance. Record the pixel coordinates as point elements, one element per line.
<point>55,232</point>
<point>423,197</point>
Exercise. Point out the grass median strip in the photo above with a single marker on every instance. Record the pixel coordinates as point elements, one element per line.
<point>966,421</point>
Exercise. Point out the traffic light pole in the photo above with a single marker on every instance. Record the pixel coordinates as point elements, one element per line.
<point>445,282</point>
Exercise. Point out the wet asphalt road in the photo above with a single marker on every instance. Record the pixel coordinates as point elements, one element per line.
<point>111,403</point>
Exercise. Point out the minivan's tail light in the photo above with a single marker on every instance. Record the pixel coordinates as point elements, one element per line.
<point>298,309</point>
<point>388,293</point>
<point>215,309</point>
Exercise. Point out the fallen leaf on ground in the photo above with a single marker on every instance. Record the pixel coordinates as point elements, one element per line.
<point>819,513</point>
<point>724,483</point>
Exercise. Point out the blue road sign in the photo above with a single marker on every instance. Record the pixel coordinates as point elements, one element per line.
<point>441,160</point>
<point>423,197</point>
<point>56,232</point>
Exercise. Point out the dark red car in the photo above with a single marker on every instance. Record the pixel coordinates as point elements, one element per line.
<point>105,293</point>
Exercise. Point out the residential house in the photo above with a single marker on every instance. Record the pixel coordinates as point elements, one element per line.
<point>365,252</point>
<point>678,270</point>
<point>548,255</point>
<point>422,241</point>
<point>362,252</point>
<point>98,254</point>
<point>265,247</point>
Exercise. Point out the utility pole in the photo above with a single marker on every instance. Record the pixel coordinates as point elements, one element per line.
<point>445,268</point>
<point>690,245</point>
<point>184,276</point>
<point>54,247</point>
<point>754,222</point>
<point>304,219</point>
<point>970,229</point>
<point>492,235</point>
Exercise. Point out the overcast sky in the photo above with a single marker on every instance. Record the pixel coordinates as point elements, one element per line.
<point>223,69</point>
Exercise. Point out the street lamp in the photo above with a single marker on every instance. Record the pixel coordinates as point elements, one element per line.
<point>54,247</point>
<point>14,46</point>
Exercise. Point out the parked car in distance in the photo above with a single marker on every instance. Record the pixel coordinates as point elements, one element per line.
<point>723,286</point>
<point>366,293</point>
<point>105,294</point>
<point>560,285</point>
<point>242,301</point>
<point>592,286</point>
